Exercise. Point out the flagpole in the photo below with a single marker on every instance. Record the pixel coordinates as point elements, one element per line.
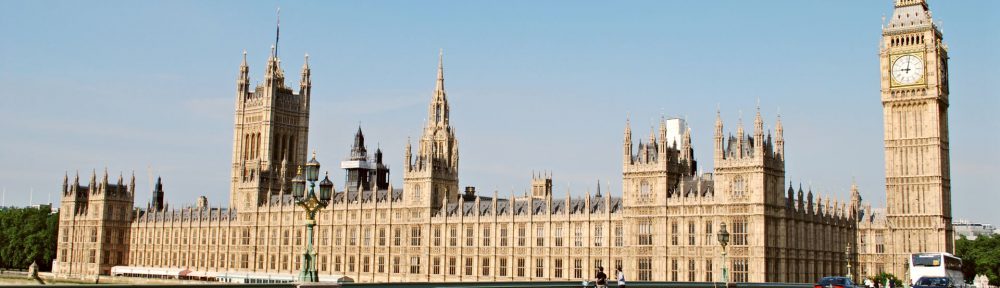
<point>277,34</point>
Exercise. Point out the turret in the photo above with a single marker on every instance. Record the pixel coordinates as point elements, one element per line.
<point>92,185</point>
<point>305,84</point>
<point>131,186</point>
<point>243,81</point>
<point>408,155</point>
<point>273,76</point>
<point>718,137</point>
<point>790,199</point>
<point>381,172</point>
<point>76,183</point>
<point>358,151</point>
<point>652,138</point>
<point>758,134</point>
<point>627,148</point>
<point>779,140</point>
<point>156,201</point>
<point>439,105</point>
<point>435,167</point>
<point>541,185</point>
<point>104,182</point>
<point>65,184</point>
<point>598,195</point>
<point>810,201</point>
<point>801,198</point>
<point>685,148</point>
<point>739,138</point>
<point>663,136</point>
<point>120,187</point>
<point>855,199</point>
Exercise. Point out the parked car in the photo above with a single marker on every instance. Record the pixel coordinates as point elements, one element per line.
<point>834,282</point>
<point>933,282</point>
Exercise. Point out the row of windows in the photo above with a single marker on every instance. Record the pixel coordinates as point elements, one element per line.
<point>180,236</point>
<point>469,237</point>
<point>738,232</point>
<point>906,40</point>
<point>645,236</point>
<point>203,236</point>
<point>108,257</point>
<point>464,266</point>
<point>111,235</point>
<point>439,265</point>
<point>202,259</point>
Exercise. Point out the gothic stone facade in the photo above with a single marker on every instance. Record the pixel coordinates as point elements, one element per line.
<point>663,227</point>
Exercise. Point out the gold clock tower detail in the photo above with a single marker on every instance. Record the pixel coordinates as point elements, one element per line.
<point>914,65</point>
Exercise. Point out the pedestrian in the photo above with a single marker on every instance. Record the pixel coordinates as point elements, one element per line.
<point>621,277</point>
<point>602,279</point>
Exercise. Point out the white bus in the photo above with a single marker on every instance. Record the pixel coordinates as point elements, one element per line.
<point>936,265</point>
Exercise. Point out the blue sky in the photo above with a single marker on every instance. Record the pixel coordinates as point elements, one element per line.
<point>148,86</point>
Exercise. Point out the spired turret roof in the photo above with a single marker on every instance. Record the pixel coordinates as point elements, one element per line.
<point>909,14</point>
<point>358,150</point>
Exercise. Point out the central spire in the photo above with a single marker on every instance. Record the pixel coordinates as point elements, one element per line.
<point>438,112</point>
<point>439,88</point>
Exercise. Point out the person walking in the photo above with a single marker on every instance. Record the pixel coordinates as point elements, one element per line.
<point>621,277</point>
<point>602,279</point>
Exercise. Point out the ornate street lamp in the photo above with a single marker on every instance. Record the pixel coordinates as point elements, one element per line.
<point>311,204</point>
<point>847,258</point>
<point>724,240</point>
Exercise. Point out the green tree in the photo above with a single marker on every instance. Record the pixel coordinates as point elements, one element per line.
<point>28,235</point>
<point>980,256</point>
<point>881,277</point>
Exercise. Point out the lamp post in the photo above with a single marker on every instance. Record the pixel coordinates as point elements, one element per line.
<point>906,272</point>
<point>311,204</point>
<point>847,258</point>
<point>724,240</point>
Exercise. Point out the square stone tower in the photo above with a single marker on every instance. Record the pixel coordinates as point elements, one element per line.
<point>270,135</point>
<point>914,77</point>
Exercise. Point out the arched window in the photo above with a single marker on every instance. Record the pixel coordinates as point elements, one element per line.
<point>739,186</point>
<point>644,189</point>
<point>437,113</point>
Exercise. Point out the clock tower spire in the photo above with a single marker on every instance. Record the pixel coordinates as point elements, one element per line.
<point>914,72</point>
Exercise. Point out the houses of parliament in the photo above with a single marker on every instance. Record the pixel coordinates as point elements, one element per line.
<point>662,227</point>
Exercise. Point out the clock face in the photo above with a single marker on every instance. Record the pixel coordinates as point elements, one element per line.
<point>907,69</point>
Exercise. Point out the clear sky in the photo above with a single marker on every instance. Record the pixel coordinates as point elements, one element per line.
<point>148,86</point>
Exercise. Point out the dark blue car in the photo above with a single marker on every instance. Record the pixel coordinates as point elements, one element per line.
<point>933,282</point>
<point>834,282</point>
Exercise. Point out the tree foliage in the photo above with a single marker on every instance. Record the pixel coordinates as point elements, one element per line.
<point>28,235</point>
<point>881,277</point>
<point>980,256</point>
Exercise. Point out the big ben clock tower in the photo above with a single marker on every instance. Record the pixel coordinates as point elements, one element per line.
<point>914,63</point>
